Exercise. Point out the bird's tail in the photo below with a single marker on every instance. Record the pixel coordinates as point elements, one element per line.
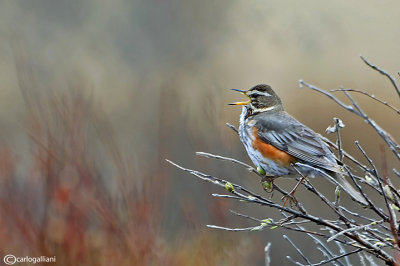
<point>343,183</point>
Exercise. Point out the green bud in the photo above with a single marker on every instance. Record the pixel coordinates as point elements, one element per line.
<point>229,187</point>
<point>274,227</point>
<point>395,207</point>
<point>267,185</point>
<point>257,228</point>
<point>260,170</point>
<point>266,222</point>
<point>388,193</point>
<point>337,192</point>
<point>369,179</point>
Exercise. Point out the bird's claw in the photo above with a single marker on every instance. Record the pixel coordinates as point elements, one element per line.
<point>291,199</point>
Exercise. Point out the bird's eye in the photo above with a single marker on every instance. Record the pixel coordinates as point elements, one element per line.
<point>255,94</point>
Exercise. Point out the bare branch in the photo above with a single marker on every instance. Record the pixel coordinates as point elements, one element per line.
<point>230,229</point>
<point>245,216</point>
<point>347,107</point>
<point>370,96</point>
<point>383,72</point>
<point>267,251</point>
<point>254,198</point>
<point>395,147</point>
<point>355,228</point>
<point>218,157</point>
<point>232,127</point>
<point>297,249</point>
<point>345,255</point>
<point>392,218</point>
<point>396,172</point>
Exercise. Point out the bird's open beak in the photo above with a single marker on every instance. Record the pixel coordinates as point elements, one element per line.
<point>241,103</point>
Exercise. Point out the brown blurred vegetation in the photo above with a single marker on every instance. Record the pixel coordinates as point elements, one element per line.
<point>96,94</point>
<point>87,209</point>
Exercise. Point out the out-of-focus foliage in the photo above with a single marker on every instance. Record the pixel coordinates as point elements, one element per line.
<point>80,200</point>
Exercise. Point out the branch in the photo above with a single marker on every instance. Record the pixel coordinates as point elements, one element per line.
<point>257,199</point>
<point>267,251</point>
<point>392,216</point>
<point>230,229</point>
<point>298,250</point>
<point>370,96</point>
<point>337,257</point>
<point>383,72</point>
<point>347,107</point>
<point>232,127</point>
<point>355,109</point>
<point>356,228</point>
<point>218,157</point>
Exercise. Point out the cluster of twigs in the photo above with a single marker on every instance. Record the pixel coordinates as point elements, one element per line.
<point>354,233</point>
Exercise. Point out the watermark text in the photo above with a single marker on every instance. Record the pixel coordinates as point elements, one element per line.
<point>11,259</point>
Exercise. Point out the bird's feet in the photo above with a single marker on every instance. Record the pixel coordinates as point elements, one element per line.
<point>290,197</point>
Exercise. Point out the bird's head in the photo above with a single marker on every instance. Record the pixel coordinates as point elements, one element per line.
<point>261,98</point>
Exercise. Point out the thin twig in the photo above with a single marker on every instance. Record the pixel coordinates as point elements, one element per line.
<point>338,125</point>
<point>355,228</point>
<point>383,72</point>
<point>230,229</point>
<point>232,127</point>
<point>374,169</point>
<point>345,255</point>
<point>218,157</point>
<point>267,252</point>
<point>396,172</point>
<point>363,217</point>
<point>345,154</point>
<point>370,96</point>
<point>245,216</point>
<point>345,106</point>
<point>394,147</point>
<point>370,203</point>
<point>248,167</point>
<point>342,251</point>
<point>323,247</point>
<point>392,219</point>
<point>384,135</point>
<point>297,249</point>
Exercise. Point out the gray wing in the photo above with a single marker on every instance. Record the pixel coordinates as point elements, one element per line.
<point>287,134</point>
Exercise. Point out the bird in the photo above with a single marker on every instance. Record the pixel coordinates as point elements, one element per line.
<point>280,145</point>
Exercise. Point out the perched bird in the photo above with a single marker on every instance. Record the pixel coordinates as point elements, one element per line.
<point>278,143</point>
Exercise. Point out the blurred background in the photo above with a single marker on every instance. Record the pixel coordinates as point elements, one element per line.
<point>95,95</point>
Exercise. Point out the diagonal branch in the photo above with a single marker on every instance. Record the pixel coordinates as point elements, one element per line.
<point>394,147</point>
<point>370,96</point>
<point>383,72</point>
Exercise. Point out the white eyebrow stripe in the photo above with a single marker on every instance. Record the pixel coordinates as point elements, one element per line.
<point>260,93</point>
<point>265,109</point>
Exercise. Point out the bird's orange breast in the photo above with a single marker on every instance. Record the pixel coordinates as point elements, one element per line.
<point>271,152</point>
